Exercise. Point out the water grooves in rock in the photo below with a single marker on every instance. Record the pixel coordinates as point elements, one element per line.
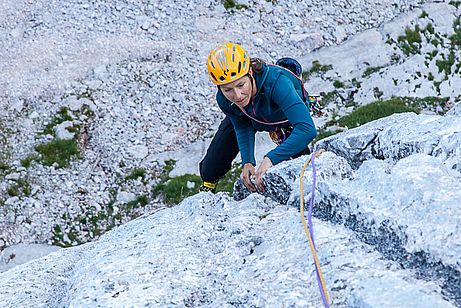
<point>389,239</point>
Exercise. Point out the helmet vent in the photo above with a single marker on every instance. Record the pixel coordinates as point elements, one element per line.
<point>239,67</point>
<point>233,74</point>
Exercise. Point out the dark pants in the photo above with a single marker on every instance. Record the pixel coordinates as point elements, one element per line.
<point>220,154</point>
<point>222,151</point>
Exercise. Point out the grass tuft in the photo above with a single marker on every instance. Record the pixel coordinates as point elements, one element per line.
<point>174,190</point>
<point>59,151</point>
<point>136,173</point>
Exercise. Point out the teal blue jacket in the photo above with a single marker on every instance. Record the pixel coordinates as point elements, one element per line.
<point>278,98</point>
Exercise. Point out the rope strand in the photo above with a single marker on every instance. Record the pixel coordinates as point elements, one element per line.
<point>310,231</point>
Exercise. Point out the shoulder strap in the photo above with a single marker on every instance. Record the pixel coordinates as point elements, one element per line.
<point>295,79</point>
<point>259,121</point>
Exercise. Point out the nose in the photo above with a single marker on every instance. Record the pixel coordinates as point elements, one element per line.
<point>238,94</point>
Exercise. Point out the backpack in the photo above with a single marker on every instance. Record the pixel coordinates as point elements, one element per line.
<point>296,69</point>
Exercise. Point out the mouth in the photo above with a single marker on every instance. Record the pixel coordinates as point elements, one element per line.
<point>240,101</point>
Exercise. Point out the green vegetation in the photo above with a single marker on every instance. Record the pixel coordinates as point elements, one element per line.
<point>435,42</point>
<point>4,168</point>
<point>380,109</point>
<point>136,173</point>
<point>326,98</point>
<point>431,55</point>
<point>96,222</point>
<point>429,28</point>
<point>20,188</point>
<point>226,184</point>
<point>356,83</point>
<point>174,190</point>
<point>370,70</point>
<point>316,69</point>
<point>58,151</point>
<point>374,111</point>
<point>377,92</point>
<point>338,84</point>
<point>60,117</point>
<point>410,43</point>
<point>139,201</point>
<point>231,4</point>
<point>455,39</point>
<point>423,15</point>
<point>323,133</point>
<point>26,162</point>
<point>456,4</point>
<point>445,65</point>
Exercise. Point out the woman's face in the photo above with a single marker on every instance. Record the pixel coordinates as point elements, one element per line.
<point>238,91</point>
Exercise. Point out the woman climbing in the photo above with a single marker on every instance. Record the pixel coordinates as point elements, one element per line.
<point>255,96</point>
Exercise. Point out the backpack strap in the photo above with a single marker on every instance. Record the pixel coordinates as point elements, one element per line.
<point>305,96</point>
<point>259,121</point>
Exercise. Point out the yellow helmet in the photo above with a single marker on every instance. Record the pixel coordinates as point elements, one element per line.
<point>227,62</point>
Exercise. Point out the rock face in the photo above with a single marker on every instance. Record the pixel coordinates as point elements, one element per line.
<point>387,230</point>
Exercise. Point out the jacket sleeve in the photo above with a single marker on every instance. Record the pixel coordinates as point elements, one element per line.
<point>243,129</point>
<point>297,113</point>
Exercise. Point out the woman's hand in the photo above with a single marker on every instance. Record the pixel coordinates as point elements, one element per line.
<point>265,164</point>
<point>248,171</point>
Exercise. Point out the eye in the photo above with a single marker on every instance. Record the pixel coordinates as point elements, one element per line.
<point>226,90</point>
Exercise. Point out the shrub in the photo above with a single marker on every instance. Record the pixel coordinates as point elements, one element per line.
<point>316,68</point>
<point>370,70</point>
<point>231,4</point>
<point>374,111</point>
<point>410,43</point>
<point>446,64</point>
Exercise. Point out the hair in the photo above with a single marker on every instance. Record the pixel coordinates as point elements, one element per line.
<point>257,65</point>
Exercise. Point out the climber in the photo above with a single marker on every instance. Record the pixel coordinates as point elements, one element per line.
<point>254,96</point>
